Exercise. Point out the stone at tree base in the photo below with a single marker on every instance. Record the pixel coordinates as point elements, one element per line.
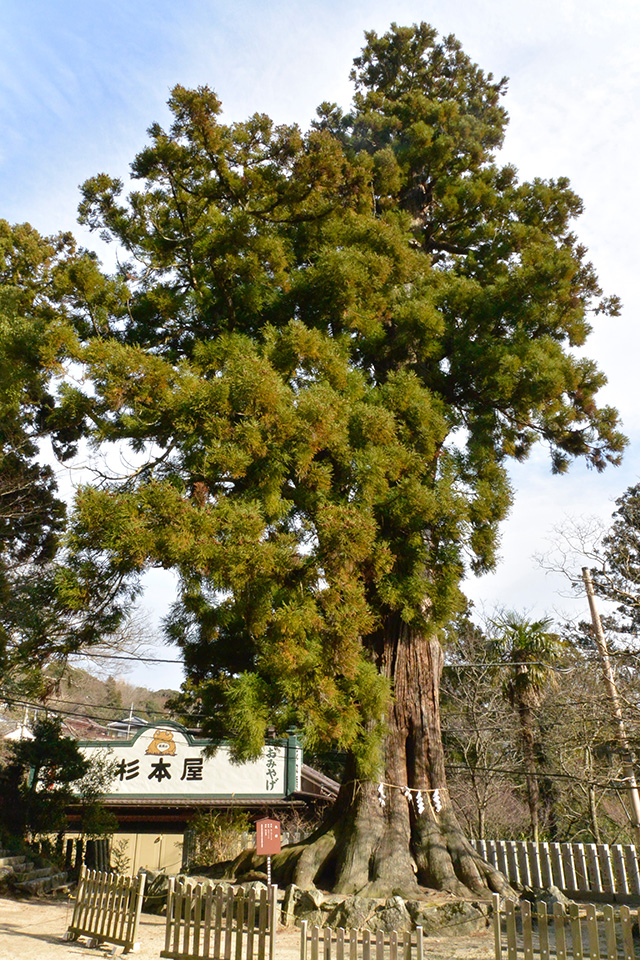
<point>449,918</point>
<point>155,892</point>
<point>308,906</point>
<point>352,913</point>
<point>444,917</point>
<point>548,895</point>
<point>287,914</point>
<point>391,915</point>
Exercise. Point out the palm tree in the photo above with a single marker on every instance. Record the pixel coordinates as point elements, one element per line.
<point>532,649</point>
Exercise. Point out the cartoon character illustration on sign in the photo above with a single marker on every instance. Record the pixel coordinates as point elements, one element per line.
<point>162,744</point>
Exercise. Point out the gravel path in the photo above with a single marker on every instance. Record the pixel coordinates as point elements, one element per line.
<point>33,930</point>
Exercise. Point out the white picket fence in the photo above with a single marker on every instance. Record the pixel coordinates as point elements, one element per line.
<point>107,908</point>
<point>602,871</point>
<point>578,933</point>
<point>205,922</point>
<point>323,943</point>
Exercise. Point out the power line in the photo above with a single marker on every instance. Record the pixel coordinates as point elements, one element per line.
<point>96,717</point>
<point>122,656</point>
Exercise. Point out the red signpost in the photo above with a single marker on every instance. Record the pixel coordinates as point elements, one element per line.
<point>268,840</point>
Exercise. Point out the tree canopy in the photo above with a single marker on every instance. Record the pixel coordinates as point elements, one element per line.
<point>328,345</point>
<point>324,347</point>
<point>50,602</point>
<point>617,571</point>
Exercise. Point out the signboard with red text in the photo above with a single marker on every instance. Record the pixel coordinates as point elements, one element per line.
<point>268,838</point>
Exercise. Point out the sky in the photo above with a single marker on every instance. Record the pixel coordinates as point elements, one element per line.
<point>81,82</point>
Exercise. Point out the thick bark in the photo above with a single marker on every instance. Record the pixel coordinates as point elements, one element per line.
<point>380,850</point>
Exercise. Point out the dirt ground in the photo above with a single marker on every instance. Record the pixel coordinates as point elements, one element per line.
<point>33,930</point>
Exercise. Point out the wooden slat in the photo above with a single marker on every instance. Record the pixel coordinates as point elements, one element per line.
<point>557,865</point>
<point>393,945</point>
<point>559,930</point>
<point>91,892</point>
<point>240,928</point>
<point>497,926</point>
<point>340,943</point>
<point>273,920</point>
<point>510,912</point>
<point>303,939</point>
<point>406,945</point>
<point>170,914</point>
<point>353,945</point>
<point>534,864</point>
<point>610,931</point>
<point>527,930</point>
<point>633,873</point>
<point>380,945</point>
<point>543,930</point>
<point>582,872</point>
<point>208,916</point>
<point>78,909</point>
<point>196,925</point>
<point>110,894</point>
<point>366,945</point>
<point>328,938</point>
<point>137,910</point>
<point>315,940</point>
<point>523,863</point>
<point>251,924</point>
<point>177,917</point>
<point>546,870</point>
<point>592,931</point>
<point>501,854</point>
<point>263,923</point>
<point>228,925</point>
<point>627,933</point>
<point>187,904</point>
<point>118,908</point>
<point>419,943</point>
<point>218,906</point>
<point>609,921</point>
<point>595,878</point>
<point>619,869</point>
<point>606,867</point>
<point>512,860</point>
<point>569,868</point>
<point>576,931</point>
<point>492,857</point>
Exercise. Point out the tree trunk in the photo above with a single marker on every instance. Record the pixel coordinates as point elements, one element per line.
<point>531,775</point>
<point>400,848</point>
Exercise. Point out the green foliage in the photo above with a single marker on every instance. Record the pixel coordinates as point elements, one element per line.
<point>617,574</point>
<point>324,347</point>
<point>45,609</point>
<point>533,649</point>
<point>41,777</point>
<point>218,836</point>
<point>37,779</point>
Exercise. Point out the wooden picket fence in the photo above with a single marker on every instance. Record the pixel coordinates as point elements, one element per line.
<point>323,943</point>
<point>601,871</point>
<point>205,922</point>
<point>107,908</point>
<point>577,933</point>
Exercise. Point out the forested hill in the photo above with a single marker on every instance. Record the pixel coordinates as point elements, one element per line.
<point>79,695</point>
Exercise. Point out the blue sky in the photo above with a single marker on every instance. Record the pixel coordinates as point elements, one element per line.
<point>81,81</point>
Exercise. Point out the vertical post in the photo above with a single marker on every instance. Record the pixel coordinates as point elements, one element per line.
<point>291,764</point>
<point>627,756</point>
<point>269,870</point>
<point>273,920</point>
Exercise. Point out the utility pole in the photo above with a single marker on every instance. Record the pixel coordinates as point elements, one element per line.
<point>616,709</point>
